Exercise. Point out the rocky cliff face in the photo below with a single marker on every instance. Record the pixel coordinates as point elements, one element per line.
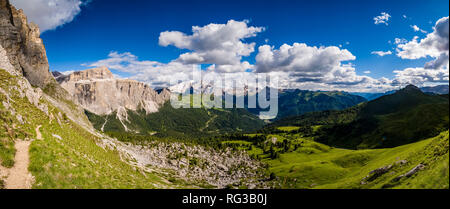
<point>23,45</point>
<point>22,54</point>
<point>99,92</point>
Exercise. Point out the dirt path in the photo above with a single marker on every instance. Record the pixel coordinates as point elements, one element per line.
<point>19,177</point>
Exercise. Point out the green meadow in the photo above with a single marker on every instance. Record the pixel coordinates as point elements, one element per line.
<point>306,164</point>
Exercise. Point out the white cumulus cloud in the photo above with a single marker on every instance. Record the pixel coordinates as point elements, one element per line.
<point>317,68</point>
<point>218,44</point>
<point>301,58</point>
<point>419,76</point>
<point>434,45</point>
<point>49,14</point>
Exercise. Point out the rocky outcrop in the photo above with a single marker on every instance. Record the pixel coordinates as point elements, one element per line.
<point>99,92</point>
<point>193,163</point>
<point>101,73</point>
<point>34,95</point>
<point>23,45</point>
<point>376,173</point>
<point>411,172</point>
<point>23,55</point>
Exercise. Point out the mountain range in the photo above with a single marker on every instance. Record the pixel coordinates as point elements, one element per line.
<point>120,105</point>
<point>439,89</point>
<point>404,117</point>
<point>295,102</point>
<point>115,105</point>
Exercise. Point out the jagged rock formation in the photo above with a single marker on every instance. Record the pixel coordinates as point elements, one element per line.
<point>99,92</point>
<point>22,54</point>
<point>23,45</point>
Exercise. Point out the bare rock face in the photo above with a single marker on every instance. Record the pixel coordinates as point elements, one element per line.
<point>34,95</point>
<point>99,92</point>
<point>23,45</point>
<point>90,74</point>
<point>22,54</point>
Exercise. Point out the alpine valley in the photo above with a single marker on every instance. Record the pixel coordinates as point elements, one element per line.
<point>91,129</point>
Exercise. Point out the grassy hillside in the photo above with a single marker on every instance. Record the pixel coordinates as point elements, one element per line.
<point>296,161</point>
<point>169,121</point>
<point>67,156</point>
<point>404,117</point>
<point>339,168</point>
<point>403,100</point>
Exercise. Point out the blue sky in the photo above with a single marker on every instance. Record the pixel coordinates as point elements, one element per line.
<point>134,26</point>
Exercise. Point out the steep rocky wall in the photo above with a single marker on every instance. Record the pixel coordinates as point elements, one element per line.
<point>23,45</point>
<point>99,92</point>
<point>22,53</point>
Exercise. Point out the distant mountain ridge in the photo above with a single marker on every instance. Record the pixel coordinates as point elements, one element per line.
<point>441,89</point>
<point>406,116</point>
<point>372,96</point>
<point>294,102</point>
<point>291,102</point>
